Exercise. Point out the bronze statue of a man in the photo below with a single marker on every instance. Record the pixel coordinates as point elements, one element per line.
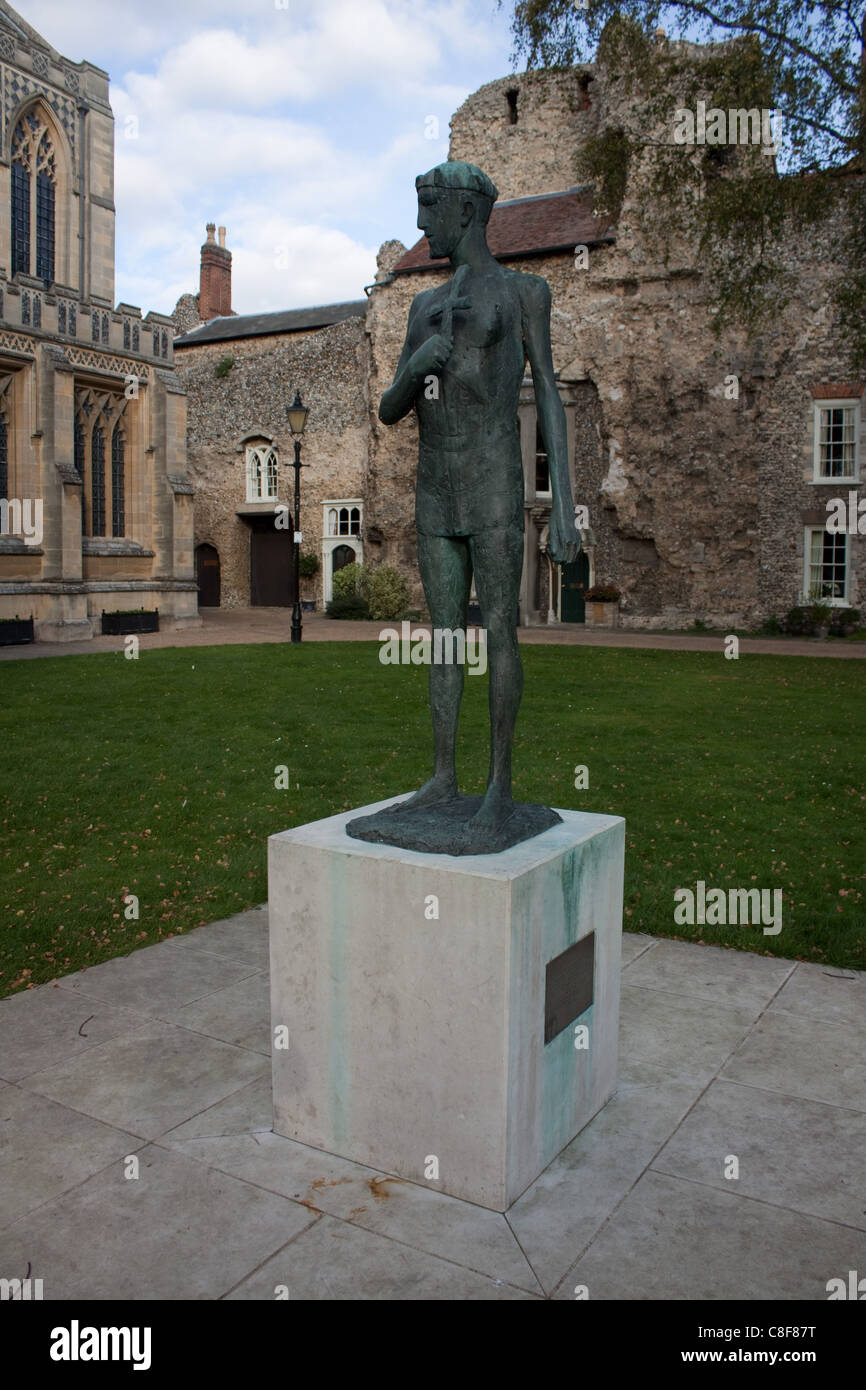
<point>461,369</point>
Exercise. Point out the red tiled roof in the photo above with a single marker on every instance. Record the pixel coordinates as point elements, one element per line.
<point>528,227</point>
<point>841,391</point>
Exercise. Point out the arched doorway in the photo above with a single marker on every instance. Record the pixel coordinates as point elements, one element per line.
<point>341,556</point>
<point>207,570</point>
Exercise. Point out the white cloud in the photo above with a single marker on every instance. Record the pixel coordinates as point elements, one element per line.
<point>302,127</point>
<point>280,266</point>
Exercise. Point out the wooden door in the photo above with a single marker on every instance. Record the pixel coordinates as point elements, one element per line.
<point>343,555</point>
<point>207,568</point>
<point>271,566</point>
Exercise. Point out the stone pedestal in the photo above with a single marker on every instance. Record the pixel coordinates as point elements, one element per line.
<point>452,1021</point>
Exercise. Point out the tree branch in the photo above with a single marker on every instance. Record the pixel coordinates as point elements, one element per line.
<point>753,27</point>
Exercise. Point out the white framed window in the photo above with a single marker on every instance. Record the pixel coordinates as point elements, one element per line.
<point>825,578</point>
<point>542,466</point>
<point>341,519</point>
<point>262,473</point>
<point>837,441</point>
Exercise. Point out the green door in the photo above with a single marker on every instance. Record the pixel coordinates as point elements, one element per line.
<point>574,581</point>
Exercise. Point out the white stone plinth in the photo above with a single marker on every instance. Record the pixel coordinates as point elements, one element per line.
<point>413,1037</point>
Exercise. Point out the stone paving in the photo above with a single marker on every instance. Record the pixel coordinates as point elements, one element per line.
<point>164,1056</point>
<point>236,626</point>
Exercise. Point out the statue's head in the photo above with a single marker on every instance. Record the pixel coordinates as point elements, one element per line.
<point>451,198</point>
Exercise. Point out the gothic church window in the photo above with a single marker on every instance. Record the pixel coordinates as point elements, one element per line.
<point>45,211</point>
<point>33,221</point>
<point>25,309</point>
<point>100,460</point>
<point>117,482</point>
<point>78,456</point>
<point>61,317</point>
<point>20,219</point>
<point>4,454</point>
<point>37,311</point>
<point>97,481</point>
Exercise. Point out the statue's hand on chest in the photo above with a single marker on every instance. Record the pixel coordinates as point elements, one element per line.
<point>474,311</point>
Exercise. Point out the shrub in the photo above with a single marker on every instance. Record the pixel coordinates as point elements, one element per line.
<point>603,593</point>
<point>347,580</point>
<point>308,565</point>
<point>224,366</point>
<point>796,622</point>
<point>771,627</point>
<point>348,606</point>
<point>844,621</point>
<point>818,615</point>
<point>386,592</point>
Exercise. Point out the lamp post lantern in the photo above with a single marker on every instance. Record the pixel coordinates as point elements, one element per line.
<point>297,413</point>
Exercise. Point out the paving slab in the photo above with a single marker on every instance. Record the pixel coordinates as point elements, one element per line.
<point>239,1014</point>
<point>813,1058</point>
<point>677,1240</point>
<point>557,1217</point>
<point>469,1235</point>
<point>242,938</point>
<point>44,1026</point>
<point>634,944</point>
<point>248,1110</point>
<point>822,992</point>
<point>723,976</point>
<point>179,1231</point>
<point>151,1079</point>
<point>791,1152</point>
<point>47,1149</point>
<point>670,1037</point>
<point>156,979</point>
<point>334,1260</point>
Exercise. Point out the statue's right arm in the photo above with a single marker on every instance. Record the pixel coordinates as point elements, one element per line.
<point>400,396</point>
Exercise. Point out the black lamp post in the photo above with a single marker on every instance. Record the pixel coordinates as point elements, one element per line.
<point>297,413</point>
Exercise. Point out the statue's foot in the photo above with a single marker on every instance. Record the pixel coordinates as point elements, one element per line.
<point>441,787</point>
<point>483,828</point>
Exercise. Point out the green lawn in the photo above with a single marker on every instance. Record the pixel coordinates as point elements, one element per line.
<point>156,778</point>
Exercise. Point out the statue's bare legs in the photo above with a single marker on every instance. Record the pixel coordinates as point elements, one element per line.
<point>446,573</point>
<point>497,561</point>
<point>447,565</point>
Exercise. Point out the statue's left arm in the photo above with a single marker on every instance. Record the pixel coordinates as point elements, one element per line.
<point>535,304</point>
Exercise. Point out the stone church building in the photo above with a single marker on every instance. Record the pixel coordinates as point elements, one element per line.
<point>704,465</point>
<point>96,508</point>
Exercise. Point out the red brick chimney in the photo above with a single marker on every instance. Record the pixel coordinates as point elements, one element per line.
<point>215,294</point>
